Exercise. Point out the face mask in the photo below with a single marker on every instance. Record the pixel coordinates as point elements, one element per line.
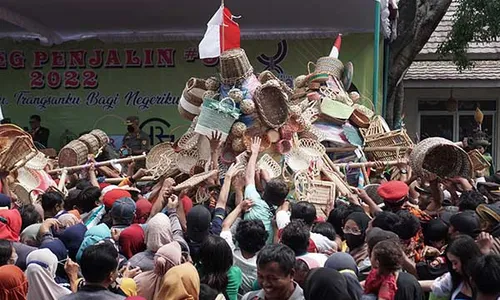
<point>354,241</point>
<point>130,128</point>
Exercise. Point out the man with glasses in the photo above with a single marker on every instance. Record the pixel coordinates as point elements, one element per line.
<point>40,134</point>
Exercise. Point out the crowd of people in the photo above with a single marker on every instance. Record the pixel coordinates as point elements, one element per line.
<point>250,240</point>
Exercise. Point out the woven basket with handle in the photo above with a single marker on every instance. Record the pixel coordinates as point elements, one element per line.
<point>217,116</point>
<point>396,138</point>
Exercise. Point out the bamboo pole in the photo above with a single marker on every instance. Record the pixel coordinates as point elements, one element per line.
<point>120,179</point>
<point>100,164</point>
<point>373,149</point>
<point>367,164</point>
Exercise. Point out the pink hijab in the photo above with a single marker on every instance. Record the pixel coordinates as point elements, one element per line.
<point>150,282</point>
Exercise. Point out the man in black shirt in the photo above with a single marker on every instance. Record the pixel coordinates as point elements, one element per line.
<point>40,134</point>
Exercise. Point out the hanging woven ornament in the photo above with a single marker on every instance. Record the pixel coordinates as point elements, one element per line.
<point>238,129</point>
<point>212,84</point>
<point>247,106</point>
<point>209,94</point>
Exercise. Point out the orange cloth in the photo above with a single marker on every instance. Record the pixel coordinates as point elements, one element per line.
<point>13,283</point>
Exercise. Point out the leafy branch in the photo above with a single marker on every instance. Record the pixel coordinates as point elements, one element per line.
<point>476,21</point>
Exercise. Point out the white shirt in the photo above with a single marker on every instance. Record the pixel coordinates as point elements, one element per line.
<point>248,266</point>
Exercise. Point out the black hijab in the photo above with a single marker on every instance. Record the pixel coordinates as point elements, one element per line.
<point>323,283</point>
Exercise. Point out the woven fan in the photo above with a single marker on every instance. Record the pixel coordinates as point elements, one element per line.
<point>195,180</point>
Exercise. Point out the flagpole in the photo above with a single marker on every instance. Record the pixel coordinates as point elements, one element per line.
<point>223,25</point>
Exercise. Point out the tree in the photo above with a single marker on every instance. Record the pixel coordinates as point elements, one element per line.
<point>417,21</point>
<point>475,21</point>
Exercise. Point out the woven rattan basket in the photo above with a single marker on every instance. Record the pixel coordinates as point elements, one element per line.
<point>92,143</point>
<point>268,75</point>
<point>329,65</point>
<point>234,66</point>
<point>377,126</point>
<point>270,101</point>
<point>396,138</point>
<point>73,154</point>
<point>17,154</point>
<point>194,90</point>
<point>101,136</point>
<point>440,158</point>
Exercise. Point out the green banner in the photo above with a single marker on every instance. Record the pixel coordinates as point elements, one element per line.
<point>80,86</point>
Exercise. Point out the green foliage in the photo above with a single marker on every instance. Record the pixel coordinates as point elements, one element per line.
<point>475,21</point>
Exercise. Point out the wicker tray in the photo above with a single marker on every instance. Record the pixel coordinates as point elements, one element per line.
<point>478,161</point>
<point>397,138</point>
<point>311,149</point>
<point>270,101</point>
<point>321,195</point>
<point>268,164</point>
<point>157,153</point>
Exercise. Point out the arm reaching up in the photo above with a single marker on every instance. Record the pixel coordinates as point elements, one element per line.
<point>230,174</point>
<point>252,161</point>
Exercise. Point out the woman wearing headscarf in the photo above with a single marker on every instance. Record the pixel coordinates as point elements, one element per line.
<point>158,233</point>
<point>72,237</point>
<point>143,210</point>
<point>92,236</point>
<point>13,283</point>
<point>29,235</point>
<point>10,225</point>
<point>346,265</point>
<point>150,282</point>
<point>57,247</point>
<point>324,283</point>
<point>180,283</point>
<point>354,233</point>
<point>68,220</point>
<point>132,241</point>
<point>41,273</point>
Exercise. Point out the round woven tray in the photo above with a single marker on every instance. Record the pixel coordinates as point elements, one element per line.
<point>270,101</point>
<point>438,157</point>
<point>155,154</point>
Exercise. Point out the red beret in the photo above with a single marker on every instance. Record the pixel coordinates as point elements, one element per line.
<point>393,191</point>
<point>110,197</point>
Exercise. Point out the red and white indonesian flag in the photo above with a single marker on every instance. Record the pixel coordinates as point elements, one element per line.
<point>336,47</point>
<point>223,33</point>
